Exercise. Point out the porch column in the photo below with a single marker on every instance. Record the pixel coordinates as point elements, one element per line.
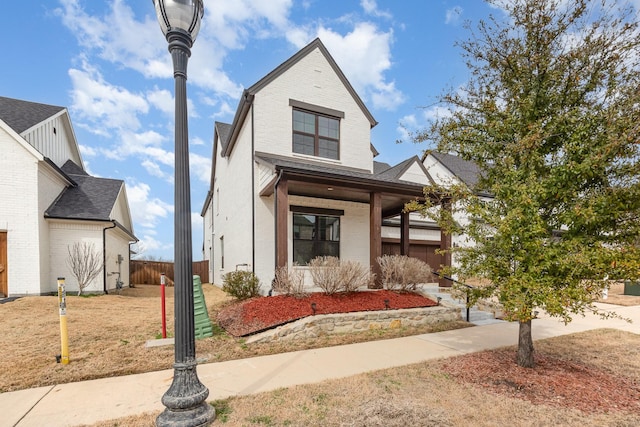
<point>282,214</point>
<point>375,235</point>
<point>404,233</point>
<point>445,245</point>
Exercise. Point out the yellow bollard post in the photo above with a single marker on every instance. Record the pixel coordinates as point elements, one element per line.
<point>64,336</point>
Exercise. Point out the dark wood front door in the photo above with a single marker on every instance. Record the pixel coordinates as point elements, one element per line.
<point>4,270</point>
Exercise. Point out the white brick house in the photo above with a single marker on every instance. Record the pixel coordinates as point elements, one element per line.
<point>294,177</point>
<point>49,202</point>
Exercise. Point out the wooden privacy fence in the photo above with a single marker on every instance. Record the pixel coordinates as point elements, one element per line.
<point>148,272</point>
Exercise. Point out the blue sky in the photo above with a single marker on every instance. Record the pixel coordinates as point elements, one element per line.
<point>107,62</point>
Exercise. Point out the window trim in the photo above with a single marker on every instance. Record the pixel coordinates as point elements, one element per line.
<point>317,112</point>
<point>312,108</point>
<point>317,212</point>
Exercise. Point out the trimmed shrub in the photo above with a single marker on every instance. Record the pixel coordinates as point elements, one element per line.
<point>289,282</point>
<point>403,273</point>
<point>333,276</point>
<point>241,284</point>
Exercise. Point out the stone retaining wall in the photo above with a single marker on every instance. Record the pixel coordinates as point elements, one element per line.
<point>325,324</point>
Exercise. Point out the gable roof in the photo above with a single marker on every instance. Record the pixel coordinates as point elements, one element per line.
<point>248,94</point>
<point>398,170</point>
<point>23,115</point>
<point>468,172</point>
<point>91,199</point>
<point>347,173</point>
<point>315,44</point>
<point>223,130</point>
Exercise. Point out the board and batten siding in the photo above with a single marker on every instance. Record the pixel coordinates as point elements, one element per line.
<point>53,139</point>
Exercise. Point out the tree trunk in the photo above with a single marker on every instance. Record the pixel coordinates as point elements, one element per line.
<point>525,345</point>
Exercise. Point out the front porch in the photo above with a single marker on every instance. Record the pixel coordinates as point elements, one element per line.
<point>384,194</point>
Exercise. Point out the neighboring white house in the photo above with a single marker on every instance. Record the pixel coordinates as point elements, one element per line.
<point>294,177</point>
<point>49,202</point>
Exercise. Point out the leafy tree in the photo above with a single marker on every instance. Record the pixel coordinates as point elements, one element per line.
<point>551,114</point>
<point>85,263</point>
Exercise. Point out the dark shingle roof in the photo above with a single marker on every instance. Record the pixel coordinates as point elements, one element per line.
<point>22,115</point>
<point>224,130</point>
<point>336,171</point>
<point>465,170</point>
<point>380,167</point>
<point>397,170</point>
<point>92,199</point>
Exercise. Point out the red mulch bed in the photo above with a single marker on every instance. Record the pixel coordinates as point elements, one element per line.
<point>552,381</point>
<point>261,313</point>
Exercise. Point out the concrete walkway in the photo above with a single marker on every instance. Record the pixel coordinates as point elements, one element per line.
<point>88,402</point>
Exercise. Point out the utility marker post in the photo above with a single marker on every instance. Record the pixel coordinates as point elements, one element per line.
<point>164,315</point>
<point>64,335</point>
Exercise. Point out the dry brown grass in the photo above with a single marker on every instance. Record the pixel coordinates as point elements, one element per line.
<point>616,296</point>
<point>424,395</point>
<point>107,336</point>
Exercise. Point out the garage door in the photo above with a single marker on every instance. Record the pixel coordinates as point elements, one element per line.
<point>424,251</point>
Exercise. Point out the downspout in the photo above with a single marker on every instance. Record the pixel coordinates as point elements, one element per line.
<point>253,197</point>
<point>104,255</point>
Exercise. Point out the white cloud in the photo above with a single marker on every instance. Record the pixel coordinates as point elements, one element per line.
<point>154,169</point>
<point>119,38</point>
<point>371,7</point>
<point>364,55</point>
<point>453,15</point>
<point>406,126</point>
<point>436,112</point>
<point>148,244</point>
<point>197,141</point>
<point>145,210</point>
<point>103,105</point>
<point>196,222</point>
<point>162,99</point>
<point>87,151</point>
<point>200,167</point>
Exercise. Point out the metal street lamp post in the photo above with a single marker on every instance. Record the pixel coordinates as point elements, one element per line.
<point>185,399</point>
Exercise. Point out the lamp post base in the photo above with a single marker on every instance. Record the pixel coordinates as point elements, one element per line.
<point>185,400</point>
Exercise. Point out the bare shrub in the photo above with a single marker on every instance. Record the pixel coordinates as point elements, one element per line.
<point>333,276</point>
<point>403,273</point>
<point>352,276</point>
<point>85,262</point>
<point>325,272</point>
<point>289,282</point>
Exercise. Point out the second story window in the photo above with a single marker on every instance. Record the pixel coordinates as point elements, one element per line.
<point>316,134</point>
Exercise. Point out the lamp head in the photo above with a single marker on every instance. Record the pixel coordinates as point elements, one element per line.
<point>184,15</point>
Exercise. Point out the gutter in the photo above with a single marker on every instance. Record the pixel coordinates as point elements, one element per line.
<point>104,254</point>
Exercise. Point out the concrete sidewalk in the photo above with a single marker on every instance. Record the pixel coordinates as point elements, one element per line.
<point>88,402</point>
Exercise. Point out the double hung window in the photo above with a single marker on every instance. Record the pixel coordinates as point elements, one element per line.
<point>316,134</point>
